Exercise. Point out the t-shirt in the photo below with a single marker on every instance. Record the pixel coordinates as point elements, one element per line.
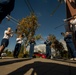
<point>6,35</point>
<point>19,40</point>
<point>73,22</point>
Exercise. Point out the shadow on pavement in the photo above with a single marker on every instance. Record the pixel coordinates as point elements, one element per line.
<point>44,68</point>
<point>66,60</point>
<point>12,61</point>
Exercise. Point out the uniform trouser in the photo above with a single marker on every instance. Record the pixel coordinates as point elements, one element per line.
<point>17,50</point>
<point>48,51</point>
<point>31,51</point>
<point>72,49</point>
<point>70,53</point>
<point>4,43</point>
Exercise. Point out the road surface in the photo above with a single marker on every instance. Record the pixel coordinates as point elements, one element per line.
<point>37,66</point>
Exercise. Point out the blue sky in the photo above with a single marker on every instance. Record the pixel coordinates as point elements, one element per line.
<point>43,9</point>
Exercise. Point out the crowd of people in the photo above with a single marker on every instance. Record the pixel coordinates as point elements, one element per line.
<point>68,35</point>
<point>9,33</point>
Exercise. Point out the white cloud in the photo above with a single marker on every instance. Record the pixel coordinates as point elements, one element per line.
<point>41,48</point>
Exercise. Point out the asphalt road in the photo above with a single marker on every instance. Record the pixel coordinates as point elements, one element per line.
<point>37,66</point>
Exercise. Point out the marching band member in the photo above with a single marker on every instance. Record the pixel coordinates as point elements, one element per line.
<point>5,41</point>
<point>19,41</point>
<point>32,44</point>
<point>70,44</point>
<point>48,47</point>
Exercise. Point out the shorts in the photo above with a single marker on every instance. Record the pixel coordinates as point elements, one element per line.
<point>5,42</point>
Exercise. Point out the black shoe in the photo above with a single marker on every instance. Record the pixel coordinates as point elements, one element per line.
<point>48,57</point>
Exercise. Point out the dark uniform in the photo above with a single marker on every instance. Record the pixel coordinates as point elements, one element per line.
<point>31,51</point>
<point>70,45</point>
<point>17,47</point>
<point>48,49</point>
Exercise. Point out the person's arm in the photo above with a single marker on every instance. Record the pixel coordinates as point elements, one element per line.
<point>18,39</point>
<point>67,37</point>
<point>9,33</point>
<point>50,43</point>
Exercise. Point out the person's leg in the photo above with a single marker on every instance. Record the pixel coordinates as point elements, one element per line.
<point>1,49</point>
<point>15,51</point>
<point>73,50</point>
<point>47,52</point>
<point>70,53</point>
<point>18,50</point>
<point>4,43</point>
<point>30,52</point>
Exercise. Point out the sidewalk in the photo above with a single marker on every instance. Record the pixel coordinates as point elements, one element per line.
<point>37,66</point>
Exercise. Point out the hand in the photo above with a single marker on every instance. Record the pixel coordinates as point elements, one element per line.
<point>71,20</point>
